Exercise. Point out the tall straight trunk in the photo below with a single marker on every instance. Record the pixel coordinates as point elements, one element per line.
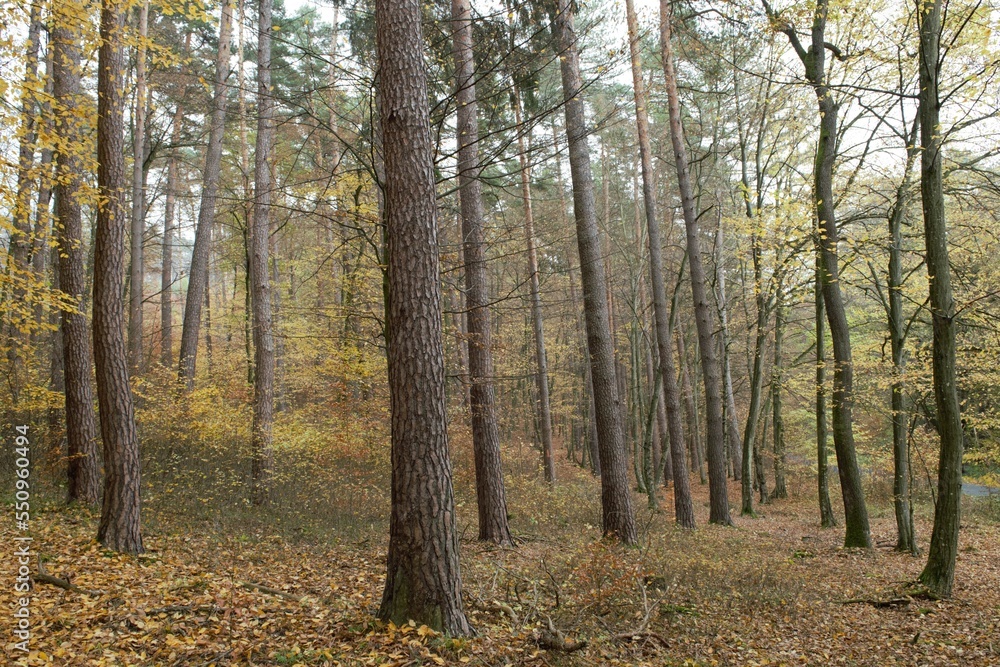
<point>691,407</point>
<point>541,360</point>
<point>81,422</point>
<point>119,527</point>
<point>20,243</point>
<point>198,273</point>
<point>616,499</point>
<point>758,454</point>
<point>167,259</point>
<point>777,378</point>
<point>857,533</point>
<point>906,534</point>
<point>490,493</point>
<point>756,375</point>
<point>715,431</point>
<point>136,272</point>
<point>683,509</point>
<point>826,516</point>
<point>939,573</point>
<point>734,445</point>
<point>261,437</point>
<point>423,582</point>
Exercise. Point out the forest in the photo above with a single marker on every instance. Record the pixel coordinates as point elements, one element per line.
<point>500,332</point>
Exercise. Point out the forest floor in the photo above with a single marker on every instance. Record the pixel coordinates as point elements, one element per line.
<point>774,590</point>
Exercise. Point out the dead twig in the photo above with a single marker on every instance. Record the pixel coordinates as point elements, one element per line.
<point>270,591</point>
<point>645,634</point>
<point>879,604</point>
<point>554,640</point>
<point>186,609</point>
<point>43,577</point>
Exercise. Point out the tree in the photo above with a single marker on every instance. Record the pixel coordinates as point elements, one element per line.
<point>136,272</point>
<point>423,582</point>
<point>261,438</point>
<point>939,573</point>
<point>198,274</point>
<point>715,432</point>
<point>683,510</point>
<point>857,533</point>
<point>616,500</point>
<point>490,494</point>
<point>167,250</point>
<point>81,424</point>
<point>119,528</point>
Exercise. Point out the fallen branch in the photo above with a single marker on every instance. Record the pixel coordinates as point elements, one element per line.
<point>270,591</point>
<point>644,634</point>
<point>44,577</point>
<point>879,604</point>
<point>554,640</point>
<point>185,609</point>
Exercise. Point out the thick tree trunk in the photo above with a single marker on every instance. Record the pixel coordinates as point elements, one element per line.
<point>81,423</point>
<point>167,260</point>
<point>826,516</point>
<point>715,432</point>
<point>136,272</point>
<point>422,581</point>
<point>857,532</point>
<point>939,573</point>
<point>777,377</point>
<point>616,499</point>
<point>198,274</point>
<point>261,438</point>
<point>684,512</point>
<point>541,359</point>
<point>119,528</point>
<point>490,493</point>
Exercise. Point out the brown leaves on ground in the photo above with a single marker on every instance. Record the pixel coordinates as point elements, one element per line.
<point>772,591</point>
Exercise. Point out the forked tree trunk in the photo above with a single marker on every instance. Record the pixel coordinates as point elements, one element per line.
<point>715,431</point>
<point>490,493</point>
<point>857,533</point>
<point>198,273</point>
<point>616,499</point>
<point>261,438</point>
<point>81,423</point>
<point>683,510</point>
<point>422,579</point>
<point>939,573</point>
<point>541,359</point>
<point>119,528</point>
<point>136,272</point>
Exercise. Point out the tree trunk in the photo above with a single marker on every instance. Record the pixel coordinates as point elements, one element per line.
<point>261,438</point>
<point>616,499</point>
<point>758,455</point>
<point>939,573</point>
<point>423,582</point>
<point>81,423</point>
<point>905,531</point>
<point>541,360</point>
<point>826,516</point>
<point>167,260</point>
<point>136,272</point>
<point>490,494</point>
<point>715,432</point>
<point>734,445</point>
<point>119,527</point>
<point>857,532</point>
<point>777,419</point>
<point>198,273</point>
<point>683,510</point>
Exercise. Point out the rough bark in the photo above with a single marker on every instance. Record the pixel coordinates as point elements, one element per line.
<point>198,273</point>
<point>537,324</point>
<point>777,418</point>
<point>119,527</point>
<point>616,499</point>
<point>684,512</point>
<point>423,582</point>
<point>715,428</point>
<point>939,573</point>
<point>490,493</point>
<point>136,272</point>
<point>261,438</point>
<point>81,422</point>
<point>857,533</point>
